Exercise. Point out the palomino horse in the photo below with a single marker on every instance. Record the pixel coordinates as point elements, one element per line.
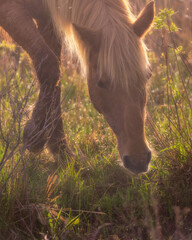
<point>108,41</point>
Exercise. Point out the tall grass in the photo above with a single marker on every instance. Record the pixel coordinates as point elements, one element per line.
<point>92,196</point>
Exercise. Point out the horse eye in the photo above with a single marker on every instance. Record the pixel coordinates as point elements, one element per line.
<point>104,82</point>
<point>101,84</point>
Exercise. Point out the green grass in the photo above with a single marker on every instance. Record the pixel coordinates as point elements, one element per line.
<point>41,200</point>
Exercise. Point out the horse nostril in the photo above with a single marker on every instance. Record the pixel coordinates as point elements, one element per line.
<point>148,157</point>
<point>126,161</point>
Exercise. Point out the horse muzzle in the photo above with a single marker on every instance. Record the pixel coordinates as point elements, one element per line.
<point>137,163</point>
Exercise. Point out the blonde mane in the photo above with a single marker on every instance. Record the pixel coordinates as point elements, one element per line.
<point>122,55</point>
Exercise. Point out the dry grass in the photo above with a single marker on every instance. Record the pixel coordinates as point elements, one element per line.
<point>92,197</point>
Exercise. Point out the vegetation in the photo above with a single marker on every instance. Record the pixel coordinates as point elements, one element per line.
<point>91,196</point>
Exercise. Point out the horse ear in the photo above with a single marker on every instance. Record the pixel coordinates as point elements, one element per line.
<point>88,36</point>
<point>144,20</point>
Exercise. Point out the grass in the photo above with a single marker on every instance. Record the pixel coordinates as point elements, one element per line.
<point>91,196</point>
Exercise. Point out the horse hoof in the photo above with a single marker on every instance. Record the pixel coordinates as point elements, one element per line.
<point>60,150</point>
<point>34,138</point>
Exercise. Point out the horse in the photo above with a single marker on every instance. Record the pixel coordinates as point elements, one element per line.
<point>108,41</point>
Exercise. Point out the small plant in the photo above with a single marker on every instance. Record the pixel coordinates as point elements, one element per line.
<point>163,20</point>
<point>174,110</point>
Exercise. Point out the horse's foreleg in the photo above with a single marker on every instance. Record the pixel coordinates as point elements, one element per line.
<point>56,141</point>
<point>15,19</point>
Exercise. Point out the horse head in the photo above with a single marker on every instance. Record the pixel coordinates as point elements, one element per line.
<point>123,107</point>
